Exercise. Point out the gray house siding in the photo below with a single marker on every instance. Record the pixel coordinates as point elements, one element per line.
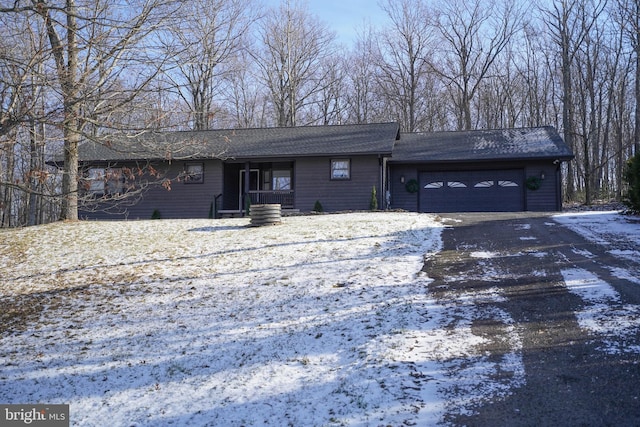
<point>548,197</point>
<point>400,197</point>
<point>184,200</point>
<point>313,183</point>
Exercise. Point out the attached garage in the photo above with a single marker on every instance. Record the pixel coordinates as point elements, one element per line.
<point>507,170</point>
<point>472,191</point>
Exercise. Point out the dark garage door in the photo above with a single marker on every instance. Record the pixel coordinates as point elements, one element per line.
<point>472,191</point>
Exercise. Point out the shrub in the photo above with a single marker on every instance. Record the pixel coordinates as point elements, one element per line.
<point>317,207</point>
<point>156,214</point>
<point>373,204</point>
<point>632,177</point>
<point>247,205</point>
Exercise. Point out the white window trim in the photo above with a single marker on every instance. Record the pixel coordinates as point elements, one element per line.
<point>342,173</point>
<point>105,181</point>
<point>281,180</point>
<point>96,180</point>
<point>193,177</point>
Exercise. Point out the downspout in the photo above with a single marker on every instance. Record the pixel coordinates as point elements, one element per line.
<point>384,185</point>
<point>525,189</point>
<point>381,183</point>
<point>247,186</point>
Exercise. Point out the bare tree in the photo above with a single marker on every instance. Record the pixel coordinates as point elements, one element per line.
<point>537,77</point>
<point>570,22</point>
<point>22,50</point>
<point>625,114</point>
<point>294,46</point>
<point>472,34</point>
<point>590,104</point>
<point>244,96</point>
<point>629,18</point>
<point>329,107</point>
<point>361,99</point>
<point>24,179</point>
<point>203,44</point>
<point>91,45</point>
<point>405,48</point>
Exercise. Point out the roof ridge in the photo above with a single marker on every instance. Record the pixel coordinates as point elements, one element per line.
<point>479,130</point>
<point>270,128</point>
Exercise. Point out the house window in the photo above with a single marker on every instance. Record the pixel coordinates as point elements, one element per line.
<point>340,169</point>
<point>96,180</point>
<point>281,180</point>
<point>193,173</point>
<point>115,181</point>
<point>456,184</point>
<point>484,184</point>
<point>105,181</point>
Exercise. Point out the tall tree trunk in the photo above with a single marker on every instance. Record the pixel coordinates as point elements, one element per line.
<point>567,112</point>
<point>67,75</point>
<point>8,176</point>
<point>636,137</point>
<point>34,181</point>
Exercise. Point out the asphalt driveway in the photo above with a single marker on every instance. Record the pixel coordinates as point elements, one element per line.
<point>570,380</point>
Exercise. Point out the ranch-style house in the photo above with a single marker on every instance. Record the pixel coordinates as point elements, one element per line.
<point>220,172</point>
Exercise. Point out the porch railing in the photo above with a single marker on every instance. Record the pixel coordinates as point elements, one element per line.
<point>283,197</point>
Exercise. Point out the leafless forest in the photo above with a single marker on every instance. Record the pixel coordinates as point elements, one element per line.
<point>80,70</point>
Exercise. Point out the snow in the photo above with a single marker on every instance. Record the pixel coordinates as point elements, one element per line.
<point>607,228</point>
<point>323,320</point>
<point>483,254</point>
<point>604,315</point>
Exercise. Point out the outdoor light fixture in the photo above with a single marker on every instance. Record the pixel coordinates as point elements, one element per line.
<point>402,179</point>
<point>541,175</point>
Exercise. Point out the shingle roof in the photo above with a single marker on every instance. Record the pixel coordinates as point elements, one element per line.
<point>481,145</point>
<point>377,138</point>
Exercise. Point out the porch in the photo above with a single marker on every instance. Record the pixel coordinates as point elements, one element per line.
<point>257,183</point>
<point>285,198</point>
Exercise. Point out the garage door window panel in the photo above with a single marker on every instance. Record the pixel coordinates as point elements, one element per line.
<point>434,185</point>
<point>456,184</point>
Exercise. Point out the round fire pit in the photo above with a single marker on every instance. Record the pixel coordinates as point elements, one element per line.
<point>270,214</point>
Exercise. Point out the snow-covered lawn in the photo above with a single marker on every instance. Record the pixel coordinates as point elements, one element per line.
<point>621,233</point>
<point>604,314</point>
<point>323,320</point>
